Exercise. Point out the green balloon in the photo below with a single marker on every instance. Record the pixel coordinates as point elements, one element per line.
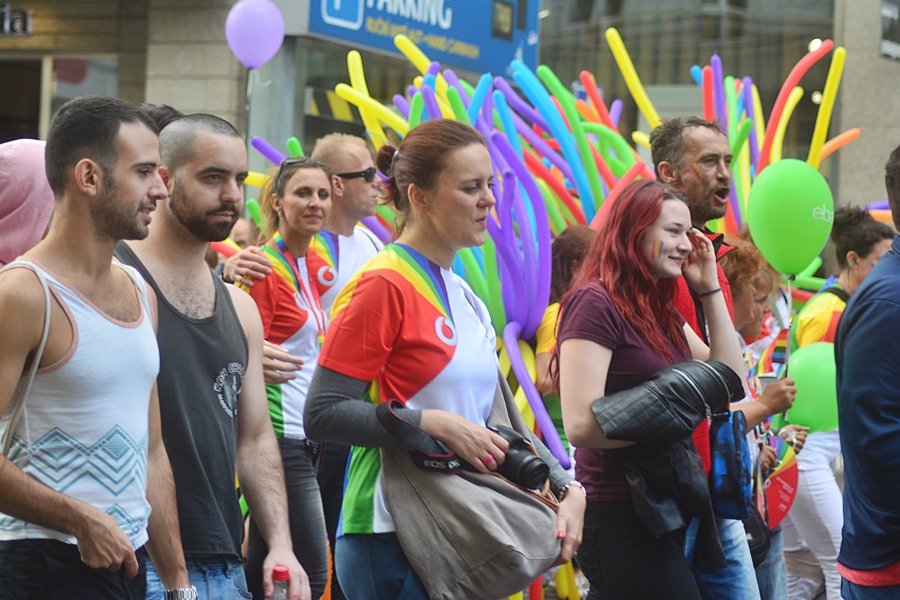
<point>253,210</point>
<point>813,370</point>
<point>790,212</point>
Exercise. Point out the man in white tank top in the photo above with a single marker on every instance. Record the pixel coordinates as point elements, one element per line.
<point>87,482</point>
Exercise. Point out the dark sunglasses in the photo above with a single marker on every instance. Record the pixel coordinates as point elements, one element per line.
<point>368,175</point>
<point>289,162</point>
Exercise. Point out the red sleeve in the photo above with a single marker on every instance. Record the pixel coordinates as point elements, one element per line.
<point>364,328</point>
<point>265,294</point>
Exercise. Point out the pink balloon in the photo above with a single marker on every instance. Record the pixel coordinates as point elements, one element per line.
<point>254,30</point>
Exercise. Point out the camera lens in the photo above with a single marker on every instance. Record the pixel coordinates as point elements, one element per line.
<point>525,468</point>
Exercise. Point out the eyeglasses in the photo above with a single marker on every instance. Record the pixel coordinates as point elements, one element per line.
<point>289,162</point>
<point>367,174</point>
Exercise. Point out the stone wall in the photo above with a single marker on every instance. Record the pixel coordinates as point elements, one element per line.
<point>868,98</point>
<point>189,63</point>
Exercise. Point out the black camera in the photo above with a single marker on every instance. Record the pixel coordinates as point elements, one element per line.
<point>521,465</point>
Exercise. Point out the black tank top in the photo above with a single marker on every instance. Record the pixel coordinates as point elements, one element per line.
<point>202,364</point>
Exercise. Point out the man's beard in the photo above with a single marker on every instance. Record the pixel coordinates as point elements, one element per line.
<point>198,224</point>
<point>111,218</point>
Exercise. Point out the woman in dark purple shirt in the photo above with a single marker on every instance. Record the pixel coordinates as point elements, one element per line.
<point>617,329</point>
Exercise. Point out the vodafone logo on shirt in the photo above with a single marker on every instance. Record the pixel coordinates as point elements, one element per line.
<point>326,276</point>
<point>445,331</point>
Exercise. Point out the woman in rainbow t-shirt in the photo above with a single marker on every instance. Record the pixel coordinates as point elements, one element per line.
<point>407,328</point>
<point>296,203</point>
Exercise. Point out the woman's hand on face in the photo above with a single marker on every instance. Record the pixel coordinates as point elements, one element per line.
<point>699,268</point>
<point>477,445</point>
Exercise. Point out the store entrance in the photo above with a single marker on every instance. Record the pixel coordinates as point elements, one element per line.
<point>20,101</point>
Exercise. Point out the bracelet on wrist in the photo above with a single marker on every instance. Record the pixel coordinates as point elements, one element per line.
<point>564,490</point>
<point>709,293</point>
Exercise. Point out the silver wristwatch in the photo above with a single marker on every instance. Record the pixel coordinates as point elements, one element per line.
<point>182,594</point>
<point>571,484</point>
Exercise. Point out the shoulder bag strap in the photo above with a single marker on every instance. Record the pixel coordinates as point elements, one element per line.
<point>17,403</point>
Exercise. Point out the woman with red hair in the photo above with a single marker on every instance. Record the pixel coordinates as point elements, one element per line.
<point>618,329</point>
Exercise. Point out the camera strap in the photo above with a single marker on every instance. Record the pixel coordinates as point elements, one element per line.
<point>426,452</point>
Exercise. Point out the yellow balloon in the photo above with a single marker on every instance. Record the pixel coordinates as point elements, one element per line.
<point>524,408</point>
<point>778,140</point>
<point>743,165</point>
<point>759,119</point>
<point>528,358</point>
<point>641,138</point>
<point>383,113</point>
<point>823,118</point>
<point>503,357</point>
<point>631,77</point>
<point>256,179</point>
<point>358,82</point>
<point>415,55</point>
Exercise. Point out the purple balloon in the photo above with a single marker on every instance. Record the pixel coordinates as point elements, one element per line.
<point>375,226</point>
<point>267,150</point>
<point>751,115</point>
<point>548,429</point>
<point>254,30</point>
<point>519,105</point>
<point>402,105</point>
<point>452,79</point>
<point>433,69</point>
<point>431,105</point>
<point>719,91</point>
<point>615,111</point>
<point>539,285</point>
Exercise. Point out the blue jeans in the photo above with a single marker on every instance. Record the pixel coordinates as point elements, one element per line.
<point>737,579</point>
<point>771,574</point>
<point>215,578</point>
<point>854,591</point>
<point>373,566</point>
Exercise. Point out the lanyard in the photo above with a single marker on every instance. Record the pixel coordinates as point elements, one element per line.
<point>301,284</point>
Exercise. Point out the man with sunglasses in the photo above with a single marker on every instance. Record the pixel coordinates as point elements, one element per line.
<point>344,245</point>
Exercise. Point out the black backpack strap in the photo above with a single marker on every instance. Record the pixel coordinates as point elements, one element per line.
<point>426,452</point>
<point>839,292</point>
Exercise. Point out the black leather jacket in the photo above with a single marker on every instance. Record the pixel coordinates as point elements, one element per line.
<point>663,470</point>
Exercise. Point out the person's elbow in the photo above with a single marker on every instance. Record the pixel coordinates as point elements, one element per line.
<point>581,432</point>
<point>312,419</point>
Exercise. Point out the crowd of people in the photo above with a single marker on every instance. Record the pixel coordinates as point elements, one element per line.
<point>146,396</point>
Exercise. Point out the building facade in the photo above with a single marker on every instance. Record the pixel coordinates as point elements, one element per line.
<point>175,52</point>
